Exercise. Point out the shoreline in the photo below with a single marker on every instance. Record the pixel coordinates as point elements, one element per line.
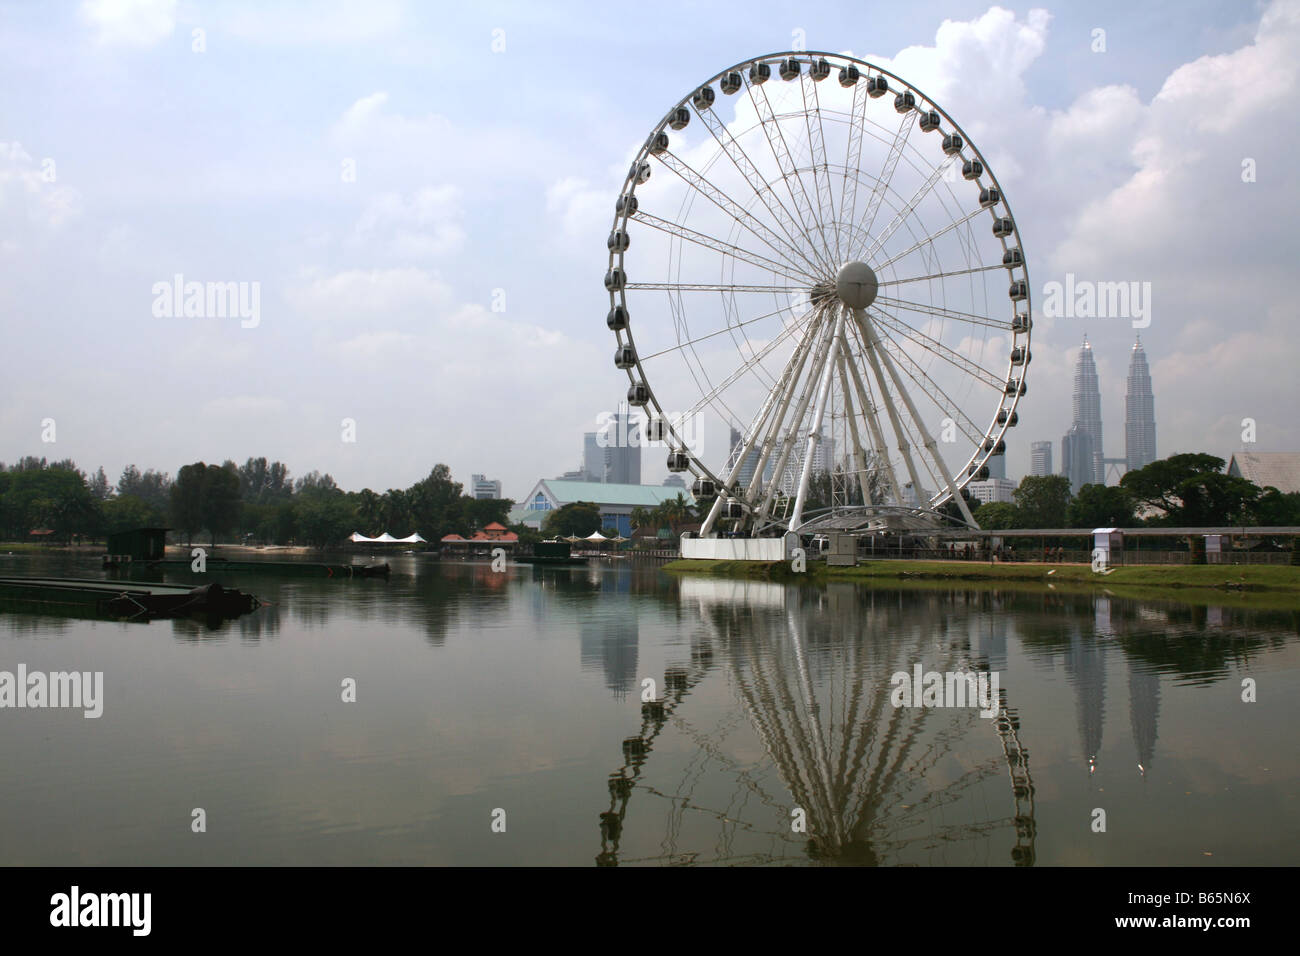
<point>1277,586</point>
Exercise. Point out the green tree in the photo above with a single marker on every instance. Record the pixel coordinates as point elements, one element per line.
<point>1100,506</point>
<point>1159,485</point>
<point>128,512</point>
<point>219,508</point>
<point>579,518</point>
<point>1042,501</point>
<point>998,516</point>
<point>323,516</point>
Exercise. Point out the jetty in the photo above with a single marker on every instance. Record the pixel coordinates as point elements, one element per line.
<point>119,600</point>
<point>301,568</point>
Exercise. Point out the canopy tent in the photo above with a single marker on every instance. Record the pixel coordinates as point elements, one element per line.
<point>386,538</point>
<point>412,539</point>
<point>595,537</point>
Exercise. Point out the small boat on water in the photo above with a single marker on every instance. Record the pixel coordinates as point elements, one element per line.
<point>551,552</point>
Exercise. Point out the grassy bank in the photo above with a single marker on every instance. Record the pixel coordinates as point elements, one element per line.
<point>1244,584</point>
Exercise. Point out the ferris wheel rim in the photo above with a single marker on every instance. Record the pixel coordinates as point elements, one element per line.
<point>992,435</point>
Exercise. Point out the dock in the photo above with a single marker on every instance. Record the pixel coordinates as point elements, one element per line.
<point>302,568</point>
<point>120,600</point>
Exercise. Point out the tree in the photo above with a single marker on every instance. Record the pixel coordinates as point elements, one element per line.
<point>187,499</point>
<point>579,518</point>
<point>639,518</point>
<point>154,487</point>
<point>128,512</point>
<point>1099,506</point>
<point>99,486</point>
<point>324,516</point>
<point>1158,485</point>
<point>261,482</point>
<point>1274,509</point>
<point>220,507</point>
<point>1042,501</point>
<point>998,516</point>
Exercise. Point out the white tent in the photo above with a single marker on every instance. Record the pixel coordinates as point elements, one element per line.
<point>360,538</point>
<point>386,538</point>
<point>595,536</point>
<point>411,539</point>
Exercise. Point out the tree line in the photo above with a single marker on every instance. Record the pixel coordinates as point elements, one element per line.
<point>257,501</point>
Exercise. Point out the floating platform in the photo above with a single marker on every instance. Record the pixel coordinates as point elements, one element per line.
<point>125,600</point>
<point>223,565</point>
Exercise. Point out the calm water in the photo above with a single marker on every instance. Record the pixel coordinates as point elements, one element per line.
<point>521,692</point>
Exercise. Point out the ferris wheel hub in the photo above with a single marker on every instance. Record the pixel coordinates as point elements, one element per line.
<point>856,285</point>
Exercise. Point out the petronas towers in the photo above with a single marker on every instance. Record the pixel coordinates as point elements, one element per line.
<point>1083,459</point>
<point>1139,412</point>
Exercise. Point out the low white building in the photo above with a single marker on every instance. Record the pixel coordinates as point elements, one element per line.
<point>992,489</point>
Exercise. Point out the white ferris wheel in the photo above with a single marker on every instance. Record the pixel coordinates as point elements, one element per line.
<point>810,256</point>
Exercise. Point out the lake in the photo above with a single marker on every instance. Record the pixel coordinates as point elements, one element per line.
<point>499,720</point>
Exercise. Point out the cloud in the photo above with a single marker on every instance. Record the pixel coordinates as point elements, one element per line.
<point>130,22</point>
<point>382,295</point>
<point>424,226</point>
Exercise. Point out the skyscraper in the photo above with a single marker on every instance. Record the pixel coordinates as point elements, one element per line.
<point>623,449</point>
<point>1087,413</point>
<point>1040,457</point>
<point>1139,412</point>
<point>593,457</point>
<point>746,473</point>
<point>1078,462</point>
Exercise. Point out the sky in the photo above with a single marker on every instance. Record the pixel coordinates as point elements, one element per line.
<point>422,192</point>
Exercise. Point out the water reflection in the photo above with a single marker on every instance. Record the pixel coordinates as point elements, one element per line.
<point>811,671</point>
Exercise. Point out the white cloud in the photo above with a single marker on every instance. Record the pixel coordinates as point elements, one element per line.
<point>424,226</point>
<point>130,22</point>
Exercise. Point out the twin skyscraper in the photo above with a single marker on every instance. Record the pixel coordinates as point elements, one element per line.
<point>1083,459</point>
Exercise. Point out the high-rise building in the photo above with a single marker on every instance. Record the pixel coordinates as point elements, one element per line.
<point>1040,458</point>
<point>480,487</point>
<point>622,440</point>
<point>1078,462</point>
<point>1087,411</point>
<point>747,467</point>
<point>593,457</point>
<point>997,465</point>
<point>1139,412</point>
<point>992,489</point>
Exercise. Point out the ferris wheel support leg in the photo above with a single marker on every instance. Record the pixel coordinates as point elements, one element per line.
<point>787,443</point>
<point>877,433</point>
<point>861,318</point>
<point>819,413</point>
<point>873,350</point>
<point>779,398</point>
<point>859,457</point>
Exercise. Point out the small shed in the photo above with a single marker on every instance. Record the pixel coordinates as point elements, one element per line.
<point>1110,543</point>
<point>139,544</point>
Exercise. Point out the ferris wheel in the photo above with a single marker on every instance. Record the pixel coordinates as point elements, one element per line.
<point>820,298</point>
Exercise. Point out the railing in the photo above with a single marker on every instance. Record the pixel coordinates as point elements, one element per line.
<point>1072,556</point>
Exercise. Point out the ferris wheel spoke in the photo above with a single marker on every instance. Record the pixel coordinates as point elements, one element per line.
<point>901,216</point>
<point>718,245</point>
<point>713,287</point>
<point>783,247</point>
<point>942,275</point>
<point>955,224</point>
<point>794,184</point>
<point>913,369</point>
<point>864,322</point>
<point>906,305</point>
<point>745,366</point>
<point>950,355</point>
<point>724,331</point>
<point>886,173</point>
<point>853,156</point>
<point>820,167</point>
<point>763,190</point>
